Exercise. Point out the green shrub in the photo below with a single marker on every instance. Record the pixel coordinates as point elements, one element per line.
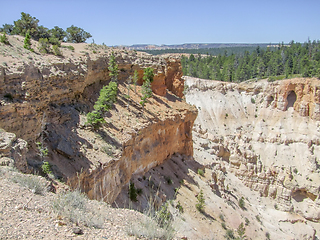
<point>253,101</point>
<point>43,151</point>
<point>132,192</point>
<point>163,215</point>
<point>229,234</point>
<point>247,221</point>
<point>241,203</point>
<point>95,119</point>
<point>241,230</point>
<point>201,203</point>
<point>27,42</point>
<point>146,86</point>
<point>221,217</point>
<point>46,168</point>
<point>68,47</point>
<point>107,97</point>
<point>4,39</point>
<point>168,180</point>
<point>44,45</point>
<point>200,172</point>
<point>179,207</point>
<point>223,225</point>
<point>56,50</point>
<point>54,41</point>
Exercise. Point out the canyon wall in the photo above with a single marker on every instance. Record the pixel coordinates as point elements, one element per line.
<point>44,100</point>
<point>267,133</point>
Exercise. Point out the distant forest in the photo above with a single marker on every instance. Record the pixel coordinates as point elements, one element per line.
<point>280,62</point>
<point>209,51</point>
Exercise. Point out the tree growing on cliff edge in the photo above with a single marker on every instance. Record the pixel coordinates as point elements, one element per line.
<point>113,68</point>
<point>27,43</point>
<point>146,86</point>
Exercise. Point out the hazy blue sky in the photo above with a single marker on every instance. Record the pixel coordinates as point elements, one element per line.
<point>127,22</point>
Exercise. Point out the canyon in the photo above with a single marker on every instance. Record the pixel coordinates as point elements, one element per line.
<point>257,140</point>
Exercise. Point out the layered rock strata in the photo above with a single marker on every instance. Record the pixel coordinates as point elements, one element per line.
<point>45,99</point>
<point>268,134</point>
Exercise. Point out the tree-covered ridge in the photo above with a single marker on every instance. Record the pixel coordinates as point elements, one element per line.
<point>210,51</point>
<point>285,61</point>
<point>28,24</point>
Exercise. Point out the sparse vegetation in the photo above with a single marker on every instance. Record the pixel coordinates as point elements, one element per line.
<point>179,207</point>
<point>31,182</point>
<point>74,206</point>
<point>4,39</point>
<point>241,230</point>
<point>168,180</point>
<point>56,50</point>
<point>200,172</point>
<point>241,203</point>
<point>113,68</point>
<point>267,235</point>
<point>229,234</point>
<point>27,42</point>
<point>46,168</point>
<point>146,86</point>
<point>258,219</point>
<point>247,222</point>
<point>201,202</point>
<point>132,192</point>
<point>44,46</point>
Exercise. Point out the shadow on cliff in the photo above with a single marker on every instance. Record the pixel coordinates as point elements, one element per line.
<point>161,183</point>
<point>66,147</point>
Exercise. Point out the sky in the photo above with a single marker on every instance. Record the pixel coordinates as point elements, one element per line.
<point>128,22</point>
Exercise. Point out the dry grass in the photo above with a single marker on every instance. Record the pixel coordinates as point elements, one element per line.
<point>74,206</point>
<point>154,224</point>
<point>32,182</point>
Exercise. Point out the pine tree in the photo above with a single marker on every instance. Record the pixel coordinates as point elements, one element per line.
<point>113,68</point>
<point>146,86</point>
<point>27,42</point>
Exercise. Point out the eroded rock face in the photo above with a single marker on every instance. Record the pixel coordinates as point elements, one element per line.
<point>267,134</point>
<point>28,91</point>
<point>48,102</point>
<point>13,151</point>
<point>150,147</point>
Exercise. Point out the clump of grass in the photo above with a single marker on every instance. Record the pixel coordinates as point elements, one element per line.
<point>74,206</point>
<point>31,182</point>
<point>221,217</point>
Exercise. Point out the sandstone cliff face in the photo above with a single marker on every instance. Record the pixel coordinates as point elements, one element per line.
<point>27,91</point>
<point>147,148</point>
<point>267,134</point>
<point>46,100</point>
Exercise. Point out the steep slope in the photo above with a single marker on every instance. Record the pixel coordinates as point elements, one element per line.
<point>45,98</point>
<point>266,134</point>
